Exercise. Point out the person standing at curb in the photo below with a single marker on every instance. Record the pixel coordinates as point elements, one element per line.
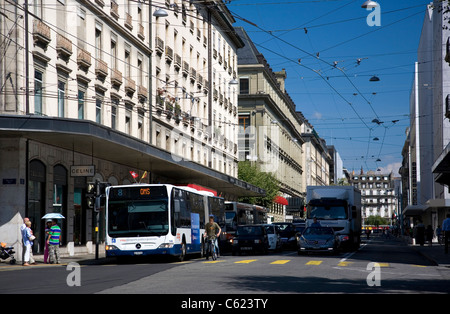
<point>54,236</point>
<point>446,230</point>
<point>28,243</point>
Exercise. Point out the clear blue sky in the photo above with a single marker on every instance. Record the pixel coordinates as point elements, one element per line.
<point>341,104</point>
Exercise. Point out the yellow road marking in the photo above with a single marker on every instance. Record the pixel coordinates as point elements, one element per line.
<point>281,262</point>
<point>343,264</point>
<point>246,261</point>
<point>314,263</point>
<point>383,264</point>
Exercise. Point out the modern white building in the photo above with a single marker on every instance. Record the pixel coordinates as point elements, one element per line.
<point>429,132</point>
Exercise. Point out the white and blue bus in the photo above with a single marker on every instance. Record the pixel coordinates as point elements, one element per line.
<point>155,219</point>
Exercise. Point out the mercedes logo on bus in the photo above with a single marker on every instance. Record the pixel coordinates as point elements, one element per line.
<point>138,246</point>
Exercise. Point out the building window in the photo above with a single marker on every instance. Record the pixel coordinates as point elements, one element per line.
<point>60,196</point>
<point>114,106</point>
<point>244,123</point>
<point>98,41</point>
<point>244,86</point>
<point>98,108</point>
<point>113,54</point>
<point>141,124</point>
<point>38,92</point>
<point>128,120</point>
<point>36,201</point>
<point>61,98</point>
<point>81,95</point>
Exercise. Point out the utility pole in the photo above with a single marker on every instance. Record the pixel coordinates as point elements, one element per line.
<point>27,67</point>
<point>96,196</point>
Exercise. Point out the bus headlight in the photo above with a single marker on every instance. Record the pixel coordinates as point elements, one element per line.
<point>166,246</point>
<point>111,247</point>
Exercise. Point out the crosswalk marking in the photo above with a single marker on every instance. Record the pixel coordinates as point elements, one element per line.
<point>281,262</point>
<point>314,263</point>
<point>246,261</point>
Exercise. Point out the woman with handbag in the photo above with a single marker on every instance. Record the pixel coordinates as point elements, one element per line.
<point>28,243</point>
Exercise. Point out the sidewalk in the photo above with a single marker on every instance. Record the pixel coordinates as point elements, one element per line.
<point>435,253</point>
<point>83,259</point>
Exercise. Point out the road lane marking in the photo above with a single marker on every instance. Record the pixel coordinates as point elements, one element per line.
<point>314,263</point>
<point>246,261</point>
<point>212,262</point>
<point>281,262</point>
<point>344,263</point>
<point>383,264</point>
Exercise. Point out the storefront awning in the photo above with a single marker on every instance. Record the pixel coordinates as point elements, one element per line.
<point>441,167</point>
<point>281,200</point>
<point>99,141</point>
<point>414,210</point>
<point>438,203</point>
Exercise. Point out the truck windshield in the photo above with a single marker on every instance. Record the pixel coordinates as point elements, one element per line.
<point>327,212</point>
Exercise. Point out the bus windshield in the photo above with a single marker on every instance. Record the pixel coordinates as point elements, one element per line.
<point>128,218</point>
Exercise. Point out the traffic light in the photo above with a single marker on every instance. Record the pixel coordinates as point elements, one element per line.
<point>96,194</point>
<point>91,194</point>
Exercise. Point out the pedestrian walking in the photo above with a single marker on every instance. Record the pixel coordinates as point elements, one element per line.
<point>446,230</point>
<point>53,241</point>
<point>23,233</point>
<point>429,234</point>
<point>439,234</point>
<point>48,225</point>
<point>420,233</point>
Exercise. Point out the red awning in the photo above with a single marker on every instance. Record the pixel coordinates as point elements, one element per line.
<point>280,200</point>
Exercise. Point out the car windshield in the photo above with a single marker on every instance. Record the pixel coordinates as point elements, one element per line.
<point>270,229</point>
<point>318,231</point>
<point>249,230</point>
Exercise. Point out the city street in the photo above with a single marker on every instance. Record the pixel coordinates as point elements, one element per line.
<point>400,269</point>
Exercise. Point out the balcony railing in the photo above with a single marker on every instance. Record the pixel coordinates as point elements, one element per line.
<point>101,68</point>
<point>83,59</point>
<point>63,46</point>
<point>41,33</point>
<point>130,86</point>
<point>114,10</point>
<point>116,77</point>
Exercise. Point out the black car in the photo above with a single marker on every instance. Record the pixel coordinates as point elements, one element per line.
<point>250,238</point>
<point>287,234</point>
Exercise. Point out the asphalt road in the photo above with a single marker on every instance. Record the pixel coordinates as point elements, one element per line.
<point>398,269</point>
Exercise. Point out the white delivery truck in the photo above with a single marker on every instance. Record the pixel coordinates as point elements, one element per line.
<point>338,207</point>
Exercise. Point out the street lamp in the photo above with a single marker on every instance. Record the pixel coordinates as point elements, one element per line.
<point>160,13</point>
<point>369,4</point>
<point>374,79</point>
<point>233,82</point>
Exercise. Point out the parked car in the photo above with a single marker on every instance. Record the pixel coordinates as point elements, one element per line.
<point>318,239</point>
<point>250,238</point>
<point>287,233</point>
<point>274,237</point>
